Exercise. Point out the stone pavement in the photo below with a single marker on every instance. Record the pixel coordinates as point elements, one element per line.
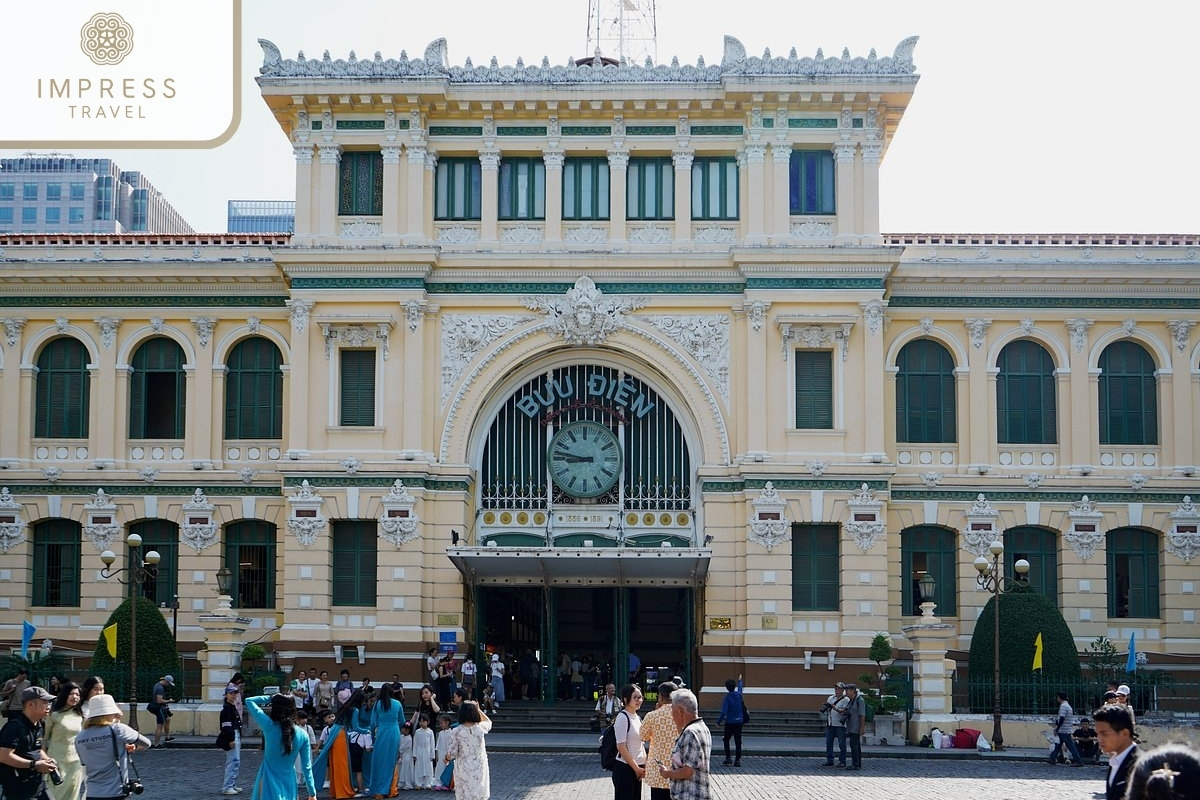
<point>183,773</point>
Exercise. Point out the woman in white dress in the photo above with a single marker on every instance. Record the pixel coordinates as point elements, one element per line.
<point>469,754</point>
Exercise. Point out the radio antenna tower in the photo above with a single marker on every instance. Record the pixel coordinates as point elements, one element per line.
<point>623,30</point>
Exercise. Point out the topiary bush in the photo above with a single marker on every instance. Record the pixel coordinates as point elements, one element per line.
<point>1023,615</point>
<point>156,653</point>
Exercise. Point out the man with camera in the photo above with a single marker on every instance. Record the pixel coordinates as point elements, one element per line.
<point>834,710</point>
<point>23,763</point>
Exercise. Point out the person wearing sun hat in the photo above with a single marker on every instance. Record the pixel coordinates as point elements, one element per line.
<point>106,775</point>
<point>1123,699</point>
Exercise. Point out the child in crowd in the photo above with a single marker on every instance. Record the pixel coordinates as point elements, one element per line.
<point>407,765</point>
<point>489,699</point>
<point>442,782</point>
<point>302,724</point>
<point>423,750</point>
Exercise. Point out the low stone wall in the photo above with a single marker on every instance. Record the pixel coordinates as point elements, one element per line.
<point>1028,731</point>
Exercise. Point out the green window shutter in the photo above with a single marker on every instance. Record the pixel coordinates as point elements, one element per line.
<point>925,394</point>
<point>816,571</point>
<point>585,189</point>
<point>1128,390</point>
<point>357,388</point>
<point>814,389</point>
<point>1133,585</point>
<point>1025,395</point>
<point>250,557</point>
<point>926,548</point>
<point>360,184</point>
<point>1038,546</point>
<point>355,558</point>
<point>650,189</point>
<point>158,391</point>
<point>57,551</point>
<point>254,391</point>
<point>63,383</point>
<point>161,536</point>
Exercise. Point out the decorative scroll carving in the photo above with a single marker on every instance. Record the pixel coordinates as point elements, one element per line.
<point>12,329</point>
<point>585,234</point>
<point>1181,331</point>
<point>12,533</point>
<point>108,331</point>
<point>715,234</point>
<point>769,525</point>
<point>584,315</point>
<point>930,479</point>
<point>865,525</point>
<point>102,526</point>
<point>926,325</point>
<point>811,229</point>
<point>305,521</point>
<point>1183,540</point>
<point>1084,534</point>
<point>463,337</point>
<point>756,313</point>
<point>204,330</point>
<point>359,228</point>
<point>1034,479</point>
<point>1078,329</point>
<point>398,524</point>
<point>873,315</point>
<point>298,313</point>
<point>980,530</point>
<point>458,234</point>
<point>199,528</point>
<point>815,337</point>
<point>521,234</point>
<point>356,336</point>
<point>705,338</point>
<point>414,312</point>
<point>649,234</point>
<point>977,330</point>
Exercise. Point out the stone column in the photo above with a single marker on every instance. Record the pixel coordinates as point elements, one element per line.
<point>489,185</point>
<point>224,633</point>
<point>1077,406</point>
<point>932,671</point>
<point>327,188</point>
<point>19,384</point>
<point>683,194</point>
<point>618,177</point>
<point>414,226</point>
<point>1181,426</point>
<point>297,380</point>
<point>756,223</point>
<point>392,192</point>
<point>199,444</point>
<point>781,160</point>
<point>112,380</point>
<point>554,159</point>
<point>412,440</point>
<point>303,153</point>
<point>844,154</point>
<point>875,380</point>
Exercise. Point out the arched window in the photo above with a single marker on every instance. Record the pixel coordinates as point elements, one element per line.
<point>927,548</point>
<point>254,391</point>
<point>57,545</point>
<point>162,536</point>
<point>1133,573</point>
<point>1128,395</point>
<point>158,391</point>
<point>63,393</point>
<point>1038,546</point>
<point>250,557</point>
<point>1025,396</point>
<point>925,404</point>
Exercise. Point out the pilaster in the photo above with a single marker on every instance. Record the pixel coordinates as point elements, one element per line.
<point>553,160</point>
<point>618,182</point>
<point>781,159</point>
<point>683,194</point>
<point>414,227</point>
<point>844,154</point>
<point>489,182</point>
<point>756,223</point>
<point>303,153</point>
<point>393,191</point>
<point>327,188</point>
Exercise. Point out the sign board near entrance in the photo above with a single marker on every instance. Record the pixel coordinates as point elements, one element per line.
<point>447,640</point>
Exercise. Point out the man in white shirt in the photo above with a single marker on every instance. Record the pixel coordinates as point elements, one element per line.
<point>1114,732</point>
<point>835,727</point>
<point>1064,726</point>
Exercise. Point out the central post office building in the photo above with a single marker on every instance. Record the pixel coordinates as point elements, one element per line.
<point>600,358</point>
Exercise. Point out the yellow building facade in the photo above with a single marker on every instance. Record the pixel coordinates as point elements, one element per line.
<point>600,358</point>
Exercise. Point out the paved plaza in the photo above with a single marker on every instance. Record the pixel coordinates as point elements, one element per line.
<point>186,774</point>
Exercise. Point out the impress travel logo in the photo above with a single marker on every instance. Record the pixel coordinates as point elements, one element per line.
<point>130,73</point>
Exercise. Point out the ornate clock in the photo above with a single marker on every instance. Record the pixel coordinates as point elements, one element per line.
<point>585,459</point>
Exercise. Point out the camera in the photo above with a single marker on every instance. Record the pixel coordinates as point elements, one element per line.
<point>134,787</point>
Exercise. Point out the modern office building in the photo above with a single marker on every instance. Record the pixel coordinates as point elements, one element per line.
<point>62,194</point>
<point>261,216</point>
<point>603,358</point>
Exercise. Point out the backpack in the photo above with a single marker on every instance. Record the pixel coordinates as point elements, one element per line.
<point>608,746</point>
<point>745,713</point>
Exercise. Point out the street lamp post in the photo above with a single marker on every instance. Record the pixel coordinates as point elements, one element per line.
<point>139,570</point>
<point>992,579</point>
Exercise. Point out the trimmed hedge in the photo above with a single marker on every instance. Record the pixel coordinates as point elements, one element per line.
<point>156,651</point>
<point>1023,615</point>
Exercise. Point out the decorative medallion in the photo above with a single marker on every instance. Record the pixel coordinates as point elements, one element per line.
<point>12,526</point>
<point>102,526</point>
<point>756,313</point>
<point>980,530</point>
<point>199,528</point>
<point>584,315</point>
<point>865,525</point>
<point>398,524</point>
<point>305,522</point>
<point>1084,534</point>
<point>769,525</point>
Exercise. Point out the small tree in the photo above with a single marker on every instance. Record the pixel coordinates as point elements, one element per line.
<point>881,651</point>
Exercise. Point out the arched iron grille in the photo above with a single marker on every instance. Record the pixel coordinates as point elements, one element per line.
<point>657,472</point>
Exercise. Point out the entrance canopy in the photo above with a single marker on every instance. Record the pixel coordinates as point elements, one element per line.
<point>600,566</point>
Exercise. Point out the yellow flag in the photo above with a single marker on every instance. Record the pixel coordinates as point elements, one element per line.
<point>1037,652</point>
<point>110,636</point>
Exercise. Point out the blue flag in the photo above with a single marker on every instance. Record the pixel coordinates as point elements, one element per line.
<point>26,638</point>
<point>1131,664</point>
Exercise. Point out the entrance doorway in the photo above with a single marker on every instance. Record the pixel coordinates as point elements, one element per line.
<point>600,626</point>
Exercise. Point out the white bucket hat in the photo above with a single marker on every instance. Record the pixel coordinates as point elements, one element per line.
<point>102,705</point>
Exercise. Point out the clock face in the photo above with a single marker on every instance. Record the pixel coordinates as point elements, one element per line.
<point>585,459</point>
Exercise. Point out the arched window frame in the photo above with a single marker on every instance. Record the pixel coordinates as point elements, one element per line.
<point>926,403</point>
